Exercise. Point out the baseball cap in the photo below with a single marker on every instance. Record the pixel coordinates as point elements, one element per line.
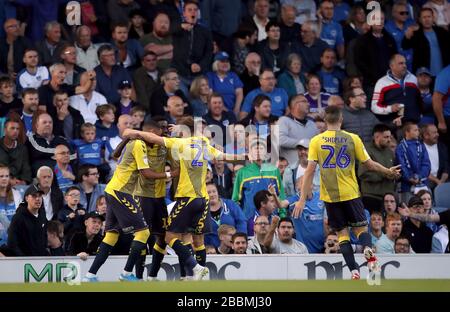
<point>32,190</point>
<point>94,214</point>
<point>423,70</point>
<point>415,201</point>
<point>221,56</point>
<point>124,84</point>
<point>303,143</point>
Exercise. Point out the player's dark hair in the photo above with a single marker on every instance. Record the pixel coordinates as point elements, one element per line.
<point>260,198</point>
<point>286,219</point>
<point>332,114</point>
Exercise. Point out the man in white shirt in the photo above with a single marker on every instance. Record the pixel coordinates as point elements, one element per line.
<point>32,76</point>
<point>437,152</point>
<point>86,103</point>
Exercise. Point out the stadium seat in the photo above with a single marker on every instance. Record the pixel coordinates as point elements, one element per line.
<point>442,195</point>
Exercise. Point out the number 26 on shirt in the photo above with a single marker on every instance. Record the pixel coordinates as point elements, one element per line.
<point>342,159</point>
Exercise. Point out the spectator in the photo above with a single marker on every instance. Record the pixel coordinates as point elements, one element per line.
<point>58,75</point>
<point>138,25</point>
<point>265,205</point>
<point>53,198</point>
<point>331,243</point>
<point>87,102</point>
<point>397,92</point>
<point>255,177</point>
<point>286,174</point>
<point>33,75</point>
<point>438,155</point>
<point>69,60</point>
<point>418,233</point>
<point>357,119</point>
<point>192,45</point>
<point>330,74</point>
<point>390,203</point>
<point>72,214</point>
<point>50,47</point>
<point>320,124</point>
<point>9,201</point>
<point>260,19</point>
<point>317,99</point>
<point>310,48</point>
<point>30,101</point>
<point>109,74</point>
<point>430,44</point>
<point>68,120</point>
<point>260,118</point>
<point>425,85</point>
<point>55,238</point>
<point>402,245</point>
<point>278,97</point>
<point>299,168</point>
<point>283,242</point>
<point>12,48</point>
<point>255,244</point>
<point>354,26</point>
<point>239,243</point>
<point>374,186</point>
<point>174,109</point>
<point>273,52</point>
<point>441,12</point>
<point>223,211</point>
<point>63,170</point>
<point>146,79</point>
<point>100,205</point>
<point>89,187</point>
<point>199,94</point>
<point>125,104</point>
<point>8,102</point>
<point>119,10</point>
<point>87,57</point>
<point>137,116</point>
<point>305,10</point>
<point>394,225</point>
<point>225,233</point>
<point>85,243</point>
<point>441,104</point>
<point>376,227</point>
<point>128,51</point>
<point>413,156</point>
<point>218,116</point>
<point>289,28</point>
<point>440,240</point>
<point>426,197</point>
<point>237,141</point>
<point>27,233</point>
<point>14,154</point>
<point>159,41</point>
<point>42,142</point>
<point>244,40</point>
<point>170,86</point>
<point>225,82</point>
<point>222,177</point>
<point>250,75</point>
<point>372,52</point>
<point>331,31</point>
<point>397,27</point>
<point>105,126</point>
<point>292,80</point>
<point>295,127</point>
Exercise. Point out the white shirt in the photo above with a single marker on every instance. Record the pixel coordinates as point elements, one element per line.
<point>28,80</point>
<point>433,154</point>
<point>48,205</point>
<point>295,247</point>
<point>87,109</point>
<point>261,29</point>
<point>87,59</point>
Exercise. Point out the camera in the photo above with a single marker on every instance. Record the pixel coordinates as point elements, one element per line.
<point>330,244</point>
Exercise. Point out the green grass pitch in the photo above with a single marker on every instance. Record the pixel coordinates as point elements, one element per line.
<point>238,286</point>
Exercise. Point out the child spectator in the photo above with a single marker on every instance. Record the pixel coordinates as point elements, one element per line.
<point>90,150</point>
<point>100,205</point>
<point>137,114</point>
<point>8,102</point>
<point>105,126</point>
<point>416,166</point>
<point>125,103</point>
<point>72,214</point>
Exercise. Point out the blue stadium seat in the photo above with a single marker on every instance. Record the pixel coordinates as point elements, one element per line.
<point>442,195</point>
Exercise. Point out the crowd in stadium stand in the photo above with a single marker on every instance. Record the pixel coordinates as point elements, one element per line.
<point>68,92</point>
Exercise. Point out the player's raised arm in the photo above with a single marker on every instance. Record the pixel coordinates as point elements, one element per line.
<point>145,136</point>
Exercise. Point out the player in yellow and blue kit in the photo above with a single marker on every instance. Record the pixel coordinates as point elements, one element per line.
<point>336,152</point>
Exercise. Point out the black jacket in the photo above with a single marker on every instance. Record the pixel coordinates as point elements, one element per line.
<point>17,160</point>
<point>421,47</point>
<point>57,200</point>
<point>20,45</point>
<point>79,243</point>
<point>191,47</point>
<point>27,234</point>
<point>443,160</point>
<point>366,55</point>
<point>77,121</point>
<point>159,100</point>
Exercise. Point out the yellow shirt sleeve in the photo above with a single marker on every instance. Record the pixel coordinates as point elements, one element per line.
<point>313,153</point>
<point>140,154</point>
<point>360,150</point>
